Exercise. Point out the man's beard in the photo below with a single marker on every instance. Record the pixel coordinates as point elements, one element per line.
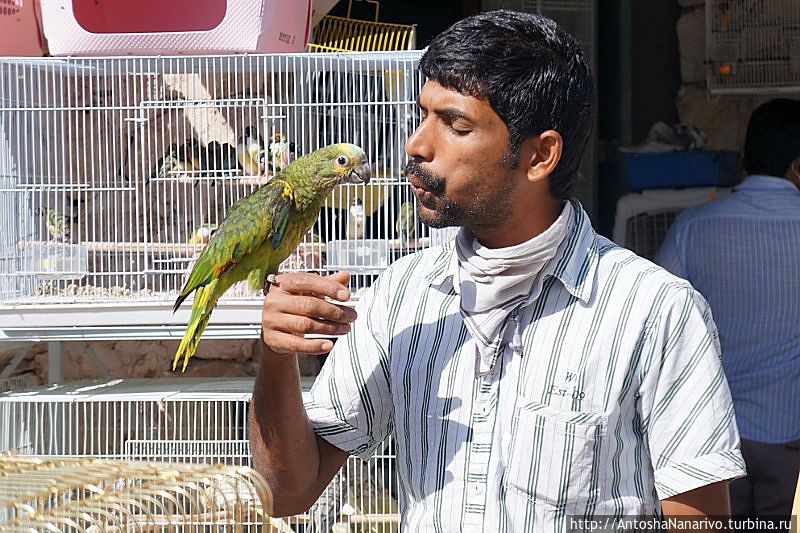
<point>490,210</point>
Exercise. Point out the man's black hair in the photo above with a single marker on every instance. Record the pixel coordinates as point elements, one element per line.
<point>532,73</point>
<point>773,138</point>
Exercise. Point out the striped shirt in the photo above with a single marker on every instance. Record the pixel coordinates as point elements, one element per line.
<point>741,252</point>
<point>615,398</point>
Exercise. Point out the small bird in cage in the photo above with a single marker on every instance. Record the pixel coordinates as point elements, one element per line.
<point>405,225</point>
<point>207,156</point>
<point>250,152</point>
<point>356,219</point>
<point>282,152</point>
<point>221,159</point>
<point>59,226</point>
<point>190,158</point>
<point>262,229</point>
<point>174,160</point>
<point>202,234</point>
<point>166,162</point>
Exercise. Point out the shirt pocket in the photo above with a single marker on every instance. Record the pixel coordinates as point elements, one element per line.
<point>554,458</point>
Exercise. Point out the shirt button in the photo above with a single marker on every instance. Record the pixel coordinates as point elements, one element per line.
<point>477,489</point>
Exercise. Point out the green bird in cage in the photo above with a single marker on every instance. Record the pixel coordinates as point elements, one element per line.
<point>59,226</point>
<point>405,224</point>
<point>262,229</point>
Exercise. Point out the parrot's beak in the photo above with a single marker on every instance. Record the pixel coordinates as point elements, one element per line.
<point>361,174</point>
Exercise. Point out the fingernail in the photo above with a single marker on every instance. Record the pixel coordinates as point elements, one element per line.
<point>342,294</point>
<point>327,346</point>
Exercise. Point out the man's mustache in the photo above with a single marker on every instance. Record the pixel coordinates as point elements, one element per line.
<point>432,182</point>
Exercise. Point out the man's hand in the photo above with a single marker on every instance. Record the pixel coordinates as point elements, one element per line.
<point>295,307</point>
<point>297,463</point>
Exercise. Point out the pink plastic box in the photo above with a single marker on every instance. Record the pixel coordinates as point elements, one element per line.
<point>150,27</point>
<point>19,28</point>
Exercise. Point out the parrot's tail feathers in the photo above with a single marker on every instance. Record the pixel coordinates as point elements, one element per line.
<point>205,300</point>
<point>179,301</point>
<point>192,347</point>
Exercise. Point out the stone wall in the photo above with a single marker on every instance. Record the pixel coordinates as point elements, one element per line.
<point>723,119</point>
<point>147,359</point>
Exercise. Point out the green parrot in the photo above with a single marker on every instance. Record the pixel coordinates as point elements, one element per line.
<point>58,225</point>
<point>405,224</point>
<point>262,229</point>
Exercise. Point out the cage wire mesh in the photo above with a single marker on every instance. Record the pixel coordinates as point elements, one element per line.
<point>18,382</point>
<point>115,171</point>
<point>93,495</point>
<point>190,420</point>
<point>753,47</point>
<point>644,218</point>
<point>348,34</point>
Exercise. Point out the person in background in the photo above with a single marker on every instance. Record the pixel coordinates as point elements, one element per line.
<point>742,253</point>
<point>531,372</point>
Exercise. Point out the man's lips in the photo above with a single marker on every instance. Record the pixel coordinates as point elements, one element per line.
<point>416,184</point>
<point>418,188</point>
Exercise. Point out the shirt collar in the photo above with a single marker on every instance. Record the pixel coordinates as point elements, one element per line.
<point>574,264</point>
<point>759,182</point>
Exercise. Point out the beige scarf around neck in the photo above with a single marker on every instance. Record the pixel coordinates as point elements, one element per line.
<point>493,282</point>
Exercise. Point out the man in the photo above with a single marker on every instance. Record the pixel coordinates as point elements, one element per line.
<point>742,251</point>
<point>530,371</point>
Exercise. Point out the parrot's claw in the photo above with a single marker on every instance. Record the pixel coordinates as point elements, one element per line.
<point>268,282</point>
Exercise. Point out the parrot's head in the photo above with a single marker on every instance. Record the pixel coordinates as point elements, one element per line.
<point>341,163</point>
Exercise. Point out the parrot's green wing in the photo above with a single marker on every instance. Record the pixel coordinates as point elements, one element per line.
<point>250,222</point>
<point>280,219</point>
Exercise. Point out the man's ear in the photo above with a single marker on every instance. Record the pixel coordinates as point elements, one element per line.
<point>793,172</point>
<point>545,153</point>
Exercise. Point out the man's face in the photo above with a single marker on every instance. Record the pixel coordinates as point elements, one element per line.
<point>460,169</point>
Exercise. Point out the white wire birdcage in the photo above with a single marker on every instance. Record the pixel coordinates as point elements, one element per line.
<point>186,420</point>
<point>14,383</point>
<point>753,47</point>
<point>643,218</point>
<point>93,495</point>
<point>114,172</point>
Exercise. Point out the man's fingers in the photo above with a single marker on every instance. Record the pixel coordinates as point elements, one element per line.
<point>284,343</point>
<point>333,286</point>
<point>309,306</point>
<point>303,325</point>
<point>295,306</point>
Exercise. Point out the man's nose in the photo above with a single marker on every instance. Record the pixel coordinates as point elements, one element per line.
<point>419,146</point>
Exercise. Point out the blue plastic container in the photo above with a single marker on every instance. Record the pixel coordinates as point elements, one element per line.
<point>677,170</point>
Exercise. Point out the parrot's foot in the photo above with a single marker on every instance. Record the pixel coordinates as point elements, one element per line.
<point>269,281</point>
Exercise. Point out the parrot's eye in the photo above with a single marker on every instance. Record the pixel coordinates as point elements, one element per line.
<point>342,160</point>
